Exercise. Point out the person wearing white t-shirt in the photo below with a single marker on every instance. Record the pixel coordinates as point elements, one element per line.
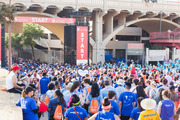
<point>169,78</point>
<point>11,81</point>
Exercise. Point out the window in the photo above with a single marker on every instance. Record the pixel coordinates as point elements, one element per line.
<point>54,37</point>
<point>127,38</point>
<point>109,51</point>
<point>144,33</point>
<point>120,53</point>
<point>45,36</point>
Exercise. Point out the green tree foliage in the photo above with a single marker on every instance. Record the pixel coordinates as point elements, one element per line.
<point>7,13</point>
<point>16,41</point>
<point>31,32</point>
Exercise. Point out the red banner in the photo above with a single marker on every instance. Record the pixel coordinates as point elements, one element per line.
<point>0,45</point>
<point>45,20</point>
<point>82,45</point>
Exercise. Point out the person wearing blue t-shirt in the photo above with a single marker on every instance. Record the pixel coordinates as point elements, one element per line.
<point>114,105</point>
<point>93,95</point>
<point>76,112</point>
<point>28,105</point>
<point>127,102</point>
<point>105,114</point>
<point>44,81</point>
<point>137,110</point>
<point>107,88</point>
<point>57,100</point>
<point>166,107</point>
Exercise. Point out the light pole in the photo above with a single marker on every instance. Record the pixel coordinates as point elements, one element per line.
<point>9,41</point>
<point>160,22</point>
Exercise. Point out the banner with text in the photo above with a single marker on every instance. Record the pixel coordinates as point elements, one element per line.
<point>45,20</point>
<point>82,45</point>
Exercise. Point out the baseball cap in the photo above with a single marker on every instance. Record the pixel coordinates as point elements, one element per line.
<point>16,68</point>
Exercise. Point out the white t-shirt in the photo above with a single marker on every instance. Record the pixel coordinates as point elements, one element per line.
<point>9,83</point>
<point>119,90</point>
<point>169,78</point>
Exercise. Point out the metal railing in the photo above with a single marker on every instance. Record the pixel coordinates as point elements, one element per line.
<point>175,36</point>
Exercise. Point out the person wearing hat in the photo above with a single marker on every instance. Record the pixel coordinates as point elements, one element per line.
<point>105,114</point>
<point>120,89</point>
<point>149,114</point>
<point>11,81</point>
<point>166,107</point>
<point>127,101</point>
<point>28,104</point>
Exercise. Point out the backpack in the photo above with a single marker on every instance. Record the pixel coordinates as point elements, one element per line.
<point>89,89</point>
<point>58,113</point>
<point>94,106</point>
<point>46,101</point>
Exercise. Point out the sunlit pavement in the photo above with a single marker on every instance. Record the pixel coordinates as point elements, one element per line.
<point>45,116</point>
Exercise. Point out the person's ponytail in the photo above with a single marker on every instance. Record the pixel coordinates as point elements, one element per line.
<point>23,94</point>
<point>60,97</point>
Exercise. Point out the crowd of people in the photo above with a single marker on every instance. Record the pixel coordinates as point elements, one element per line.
<point>96,92</point>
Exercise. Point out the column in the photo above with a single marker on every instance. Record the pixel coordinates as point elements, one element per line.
<point>98,48</point>
<point>147,56</point>
<point>109,22</point>
<point>114,53</point>
<point>167,53</point>
<point>173,54</point>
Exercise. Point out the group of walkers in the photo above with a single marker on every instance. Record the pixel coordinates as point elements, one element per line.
<point>105,92</point>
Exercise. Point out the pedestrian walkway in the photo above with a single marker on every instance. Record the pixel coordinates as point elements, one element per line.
<point>8,109</point>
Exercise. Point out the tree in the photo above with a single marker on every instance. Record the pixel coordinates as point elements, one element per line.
<point>16,42</point>
<point>7,13</point>
<point>31,31</point>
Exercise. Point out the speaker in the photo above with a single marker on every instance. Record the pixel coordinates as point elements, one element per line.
<point>70,44</point>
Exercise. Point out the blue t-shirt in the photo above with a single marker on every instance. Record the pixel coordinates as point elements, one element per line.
<point>71,114</point>
<point>102,115</point>
<point>52,105</point>
<point>114,108</point>
<point>28,104</point>
<point>167,109</point>
<point>44,81</point>
<point>105,90</point>
<point>127,99</point>
<point>135,113</point>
